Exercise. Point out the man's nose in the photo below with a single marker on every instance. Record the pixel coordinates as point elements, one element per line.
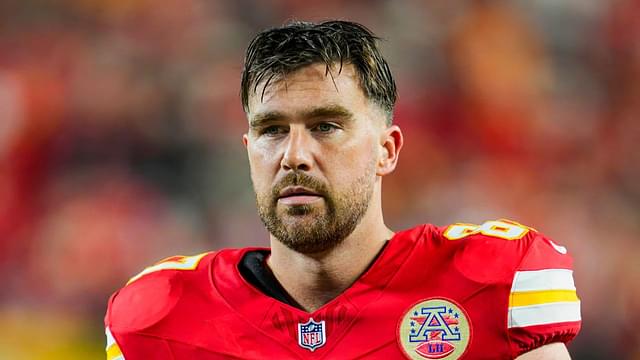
<point>297,154</point>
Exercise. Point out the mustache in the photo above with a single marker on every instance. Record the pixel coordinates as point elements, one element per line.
<point>298,178</point>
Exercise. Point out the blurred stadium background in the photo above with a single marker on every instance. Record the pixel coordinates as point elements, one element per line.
<point>120,144</point>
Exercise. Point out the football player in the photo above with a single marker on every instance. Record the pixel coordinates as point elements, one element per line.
<point>336,282</point>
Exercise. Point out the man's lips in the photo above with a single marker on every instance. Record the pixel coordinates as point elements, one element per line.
<point>298,195</point>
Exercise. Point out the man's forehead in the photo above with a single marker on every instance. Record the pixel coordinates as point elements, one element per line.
<point>331,84</point>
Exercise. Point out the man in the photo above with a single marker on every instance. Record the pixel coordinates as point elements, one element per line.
<point>337,283</point>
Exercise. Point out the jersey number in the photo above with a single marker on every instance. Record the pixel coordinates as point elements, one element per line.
<point>503,229</point>
<point>171,263</point>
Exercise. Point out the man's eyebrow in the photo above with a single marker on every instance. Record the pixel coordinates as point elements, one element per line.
<point>329,111</point>
<point>262,118</point>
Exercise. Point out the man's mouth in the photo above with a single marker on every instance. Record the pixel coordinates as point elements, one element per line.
<point>298,195</point>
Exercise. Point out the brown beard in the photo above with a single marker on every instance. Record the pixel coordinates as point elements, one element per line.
<point>329,227</point>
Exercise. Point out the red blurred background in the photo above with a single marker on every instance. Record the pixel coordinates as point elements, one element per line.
<point>120,144</point>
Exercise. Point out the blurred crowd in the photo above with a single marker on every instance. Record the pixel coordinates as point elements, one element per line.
<point>120,144</point>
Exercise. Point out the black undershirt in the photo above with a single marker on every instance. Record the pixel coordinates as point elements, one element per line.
<point>253,268</point>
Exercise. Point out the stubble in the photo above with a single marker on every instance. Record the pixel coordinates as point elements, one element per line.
<point>311,228</point>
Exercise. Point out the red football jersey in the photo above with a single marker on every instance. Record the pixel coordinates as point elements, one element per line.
<point>464,291</point>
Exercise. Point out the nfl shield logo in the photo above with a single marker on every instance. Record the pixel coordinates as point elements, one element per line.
<point>311,335</point>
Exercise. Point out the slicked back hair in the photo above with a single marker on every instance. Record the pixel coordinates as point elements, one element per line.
<point>277,52</point>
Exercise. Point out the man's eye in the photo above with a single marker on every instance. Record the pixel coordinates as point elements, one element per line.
<point>325,127</point>
<point>272,130</point>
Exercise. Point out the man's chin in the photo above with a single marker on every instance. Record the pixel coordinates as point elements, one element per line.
<point>305,241</point>
<point>299,220</point>
<point>298,211</point>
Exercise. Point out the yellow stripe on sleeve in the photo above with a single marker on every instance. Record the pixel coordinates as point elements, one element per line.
<point>114,353</point>
<point>528,298</point>
<point>112,348</point>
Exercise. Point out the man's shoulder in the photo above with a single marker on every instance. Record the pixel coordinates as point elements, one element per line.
<point>151,294</point>
<point>496,249</point>
<point>156,291</point>
<point>528,276</point>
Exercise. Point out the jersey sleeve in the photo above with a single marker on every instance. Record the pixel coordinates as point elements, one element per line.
<point>136,346</point>
<point>131,313</point>
<point>137,312</point>
<point>543,304</point>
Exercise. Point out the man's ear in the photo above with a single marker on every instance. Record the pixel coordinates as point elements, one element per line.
<point>391,141</point>
<point>245,140</point>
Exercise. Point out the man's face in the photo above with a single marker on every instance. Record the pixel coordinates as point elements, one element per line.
<point>314,147</point>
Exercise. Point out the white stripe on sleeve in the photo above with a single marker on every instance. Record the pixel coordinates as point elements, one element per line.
<point>558,312</point>
<point>540,280</point>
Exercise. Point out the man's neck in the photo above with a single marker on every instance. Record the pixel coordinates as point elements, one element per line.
<point>313,280</point>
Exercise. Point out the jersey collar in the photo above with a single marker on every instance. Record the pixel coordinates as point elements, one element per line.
<point>279,320</point>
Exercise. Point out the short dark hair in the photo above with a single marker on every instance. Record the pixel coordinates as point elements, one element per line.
<point>276,52</point>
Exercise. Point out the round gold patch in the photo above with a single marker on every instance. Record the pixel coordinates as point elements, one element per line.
<point>435,328</point>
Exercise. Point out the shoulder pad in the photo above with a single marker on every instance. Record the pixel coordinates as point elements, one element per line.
<point>489,252</point>
<point>149,296</point>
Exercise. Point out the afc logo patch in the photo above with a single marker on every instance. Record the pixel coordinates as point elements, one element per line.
<point>312,334</point>
<point>434,328</point>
